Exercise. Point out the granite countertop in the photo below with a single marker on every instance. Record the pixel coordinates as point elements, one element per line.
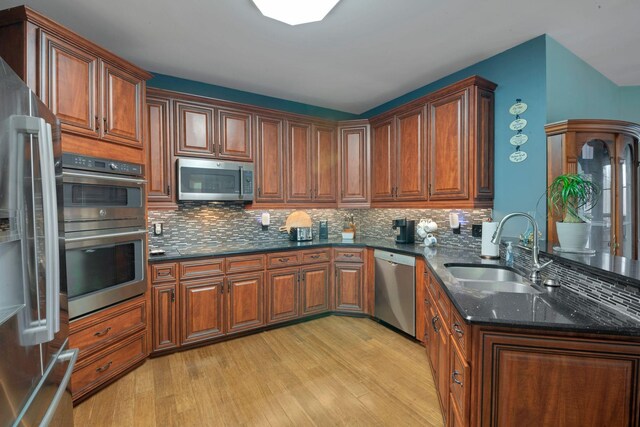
<point>558,309</point>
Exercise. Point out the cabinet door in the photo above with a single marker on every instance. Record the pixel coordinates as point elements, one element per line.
<point>353,165</point>
<point>164,307</point>
<point>314,289</point>
<point>159,165</point>
<point>283,294</point>
<point>584,382</point>
<point>443,372</point>
<point>483,142</point>
<point>383,161</point>
<point>349,287</point>
<point>121,106</point>
<point>235,135</point>
<point>299,178</point>
<point>433,340</point>
<point>194,130</point>
<point>324,164</point>
<point>448,147</point>
<point>245,302</point>
<point>269,160</point>
<point>411,162</point>
<point>69,85</point>
<point>201,312</point>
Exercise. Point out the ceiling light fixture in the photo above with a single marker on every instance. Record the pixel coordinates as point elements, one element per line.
<point>296,12</point>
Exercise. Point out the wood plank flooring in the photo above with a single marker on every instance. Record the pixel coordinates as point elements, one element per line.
<point>331,371</point>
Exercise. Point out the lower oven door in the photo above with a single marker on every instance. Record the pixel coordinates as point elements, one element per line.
<point>103,269</point>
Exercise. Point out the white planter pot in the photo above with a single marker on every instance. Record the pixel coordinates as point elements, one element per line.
<point>573,236</point>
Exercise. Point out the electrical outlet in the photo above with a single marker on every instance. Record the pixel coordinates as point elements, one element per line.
<point>157,229</point>
<point>476,230</point>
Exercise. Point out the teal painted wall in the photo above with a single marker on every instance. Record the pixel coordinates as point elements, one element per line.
<point>162,81</point>
<point>575,90</point>
<point>630,103</point>
<point>519,73</point>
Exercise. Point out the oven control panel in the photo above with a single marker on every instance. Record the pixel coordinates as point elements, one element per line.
<point>95,164</point>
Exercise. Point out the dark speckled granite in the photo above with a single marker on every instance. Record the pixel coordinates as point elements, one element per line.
<point>560,309</point>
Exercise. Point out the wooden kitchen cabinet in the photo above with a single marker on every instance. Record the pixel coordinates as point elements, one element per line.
<point>194,129</point>
<point>234,139</point>
<point>410,154</point>
<point>98,97</point>
<point>202,310</point>
<point>160,173</point>
<point>323,161</point>
<point>299,166</point>
<point>349,287</point>
<point>353,163</point>
<point>283,297</point>
<point>270,160</point>
<point>164,307</point>
<point>245,301</point>
<point>383,160</point>
<point>314,289</point>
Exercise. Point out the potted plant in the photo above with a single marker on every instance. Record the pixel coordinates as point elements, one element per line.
<point>567,194</point>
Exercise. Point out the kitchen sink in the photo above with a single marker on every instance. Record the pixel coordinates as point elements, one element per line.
<point>489,278</point>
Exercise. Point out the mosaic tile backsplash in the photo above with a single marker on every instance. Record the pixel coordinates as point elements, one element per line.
<point>610,293</point>
<point>210,223</point>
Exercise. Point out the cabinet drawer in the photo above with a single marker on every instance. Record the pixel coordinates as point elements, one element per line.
<point>94,331</point>
<point>108,364</point>
<point>320,255</point>
<point>163,272</point>
<point>201,268</point>
<point>348,255</point>
<point>459,382</point>
<point>239,264</point>
<point>283,259</point>
<point>460,333</point>
<point>444,308</point>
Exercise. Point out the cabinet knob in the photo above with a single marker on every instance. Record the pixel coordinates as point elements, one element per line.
<point>457,330</point>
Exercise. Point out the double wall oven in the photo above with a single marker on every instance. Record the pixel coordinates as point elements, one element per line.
<point>105,231</point>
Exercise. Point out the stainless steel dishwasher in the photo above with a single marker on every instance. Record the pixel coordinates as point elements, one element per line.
<point>395,288</point>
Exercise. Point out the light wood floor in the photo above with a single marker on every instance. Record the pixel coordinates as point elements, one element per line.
<point>327,372</point>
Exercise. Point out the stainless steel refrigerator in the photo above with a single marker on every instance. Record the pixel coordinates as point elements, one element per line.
<point>35,362</point>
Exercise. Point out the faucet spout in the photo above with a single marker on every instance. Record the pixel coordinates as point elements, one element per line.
<point>535,250</point>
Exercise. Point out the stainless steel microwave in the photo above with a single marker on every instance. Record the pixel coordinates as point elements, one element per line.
<point>215,180</point>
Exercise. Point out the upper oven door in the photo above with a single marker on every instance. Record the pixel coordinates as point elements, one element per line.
<point>214,180</point>
<point>96,201</point>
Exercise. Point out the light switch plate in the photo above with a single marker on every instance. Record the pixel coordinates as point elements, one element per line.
<point>157,229</point>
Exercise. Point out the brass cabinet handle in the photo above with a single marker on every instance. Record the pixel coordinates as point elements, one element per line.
<point>348,255</point>
<point>315,256</point>
<point>102,333</point>
<point>97,124</point>
<point>454,377</point>
<point>456,328</point>
<point>105,367</point>
<point>104,122</point>
<point>283,259</point>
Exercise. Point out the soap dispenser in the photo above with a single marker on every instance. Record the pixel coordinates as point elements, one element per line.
<point>509,255</point>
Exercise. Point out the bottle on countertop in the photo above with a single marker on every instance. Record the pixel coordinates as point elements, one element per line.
<point>509,255</point>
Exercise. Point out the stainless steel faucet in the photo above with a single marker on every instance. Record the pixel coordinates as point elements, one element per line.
<point>534,276</point>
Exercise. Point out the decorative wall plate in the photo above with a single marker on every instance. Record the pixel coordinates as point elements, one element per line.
<point>518,108</point>
<point>518,124</point>
<point>518,156</point>
<point>519,139</point>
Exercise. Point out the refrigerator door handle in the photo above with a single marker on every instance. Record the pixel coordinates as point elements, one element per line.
<point>46,329</point>
<point>67,356</point>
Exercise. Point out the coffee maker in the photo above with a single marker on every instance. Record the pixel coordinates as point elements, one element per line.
<point>406,230</point>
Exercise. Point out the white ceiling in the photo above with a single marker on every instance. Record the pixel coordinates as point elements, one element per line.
<point>363,54</point>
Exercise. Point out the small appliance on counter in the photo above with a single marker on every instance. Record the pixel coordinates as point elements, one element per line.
<point>300,234</point>
<point>323,229</point>
<point>406,229</point>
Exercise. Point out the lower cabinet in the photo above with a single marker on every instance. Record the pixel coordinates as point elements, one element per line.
<point>349,287</point>
<point>283,295</point>
<point>245,302</point>
<point>528,377</point>
<point>202,309</point>
<point>314,289</point>
<point>165,316</point>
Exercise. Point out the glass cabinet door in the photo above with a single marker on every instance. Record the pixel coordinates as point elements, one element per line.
<point>626,232</point>
<point>594,162</point>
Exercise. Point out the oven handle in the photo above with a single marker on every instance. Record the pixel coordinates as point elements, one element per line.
<point>105,177</point>
<point>104,236</point>
<point>241,181</point>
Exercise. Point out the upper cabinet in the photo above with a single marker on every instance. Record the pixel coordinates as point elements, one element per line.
<point>234,140</point>
<point>436,151</point>
<point>98,97</point>
<point>353,163</point>
<point>269,167</point>
<point>194,129</point>
<point>606,152</point>
<point>160,185</point>
<point>323,162</point>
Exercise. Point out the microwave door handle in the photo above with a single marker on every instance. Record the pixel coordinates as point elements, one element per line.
<point>45,330</point>
<point>241,181</point>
